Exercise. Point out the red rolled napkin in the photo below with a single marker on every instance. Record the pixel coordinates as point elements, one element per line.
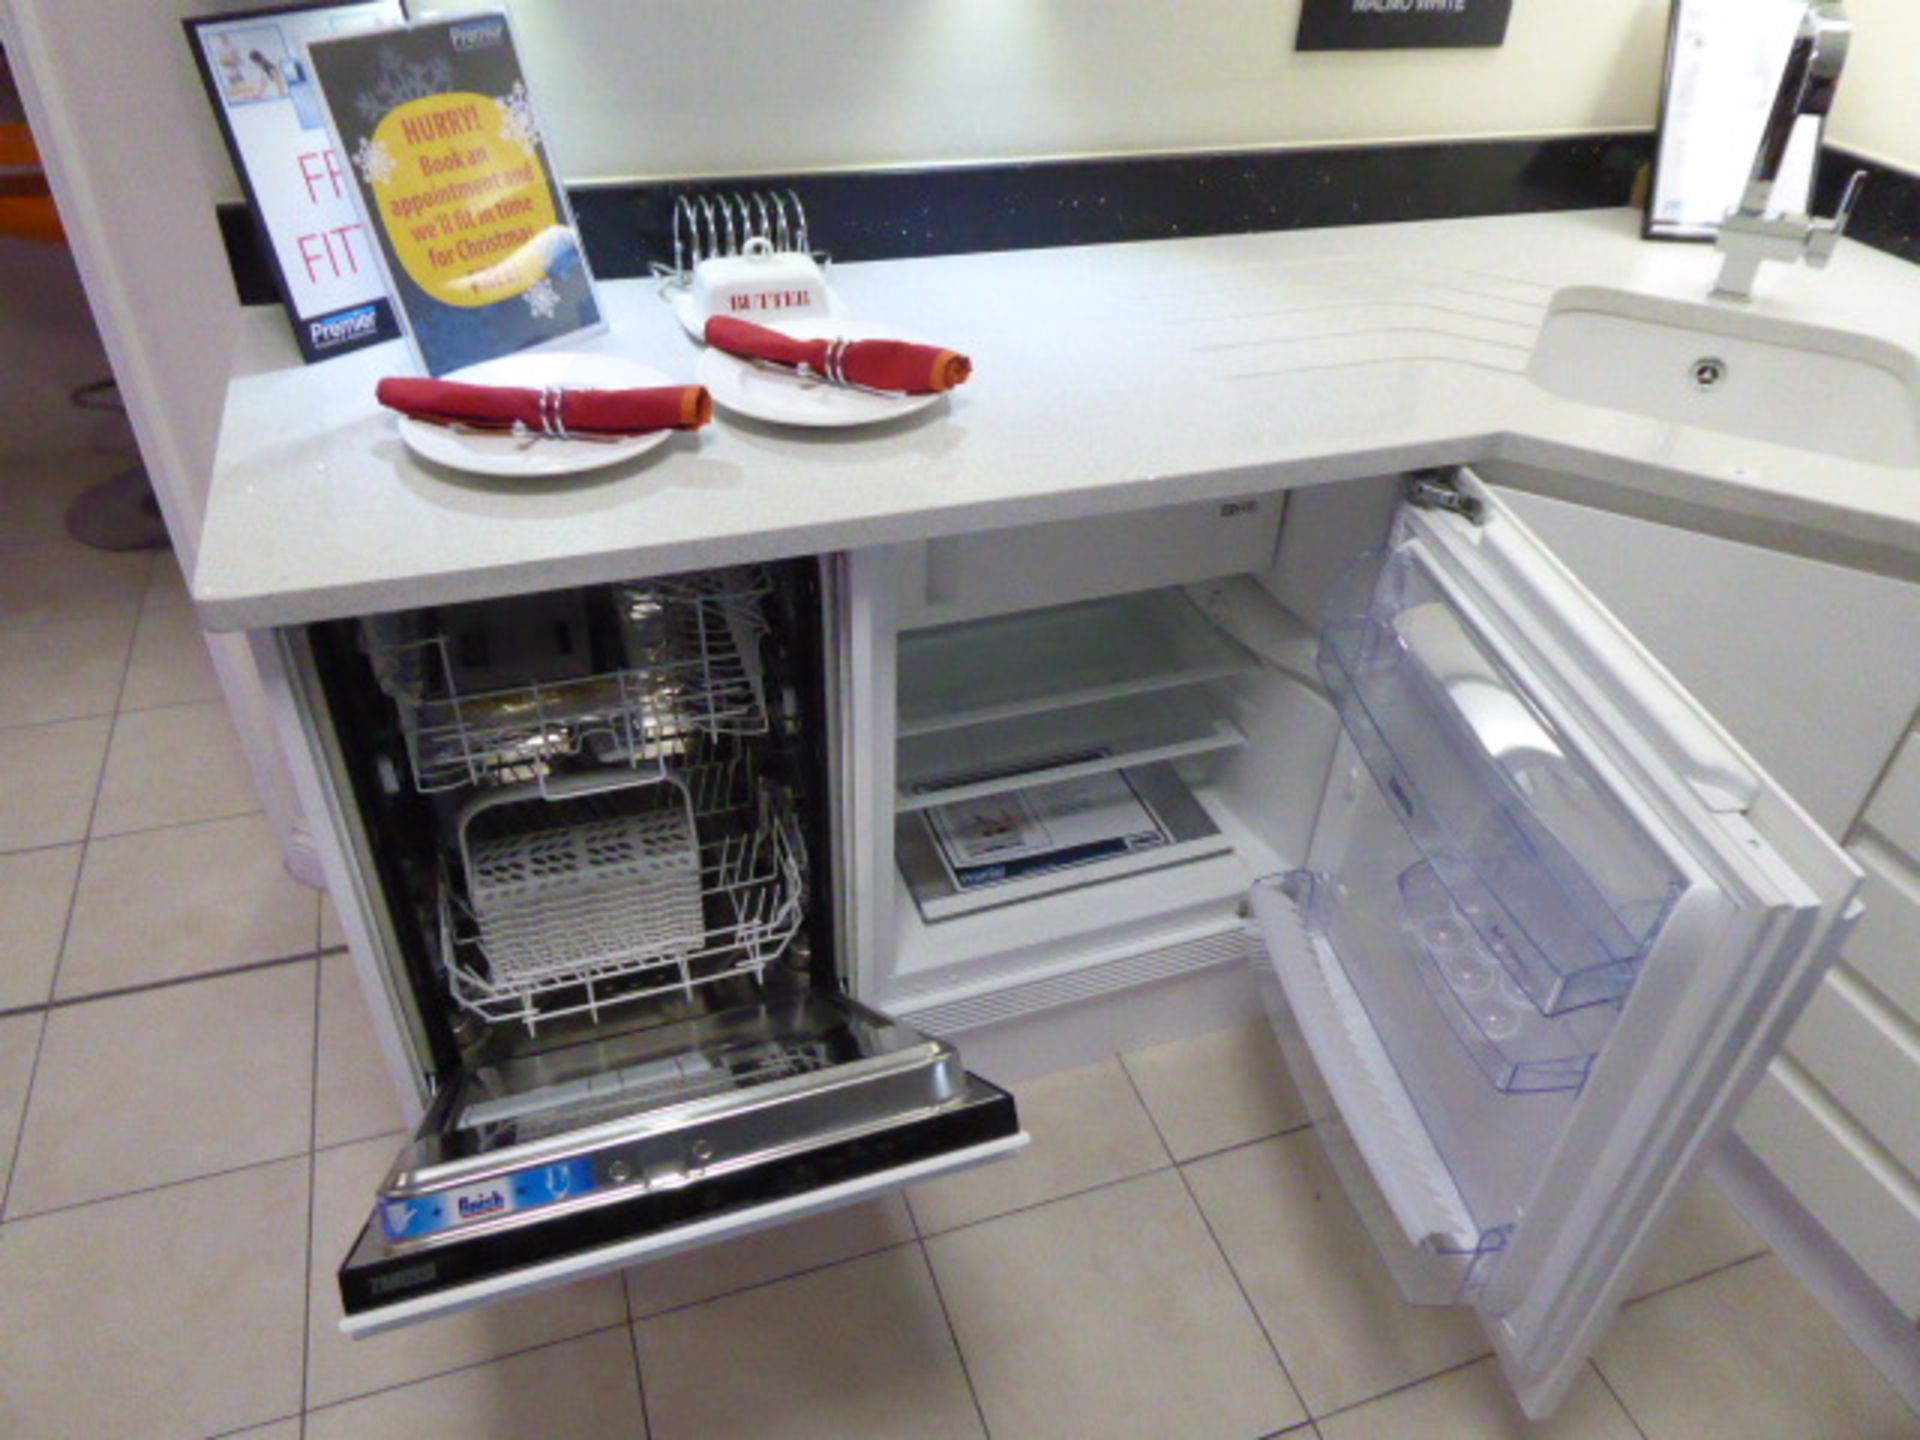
<point>560,411</point>
<point>877,364</point>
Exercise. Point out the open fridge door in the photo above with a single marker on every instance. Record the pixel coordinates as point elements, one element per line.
<point>1552,928</point>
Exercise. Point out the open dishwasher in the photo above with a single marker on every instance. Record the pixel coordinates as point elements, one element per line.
<point>594,830</point>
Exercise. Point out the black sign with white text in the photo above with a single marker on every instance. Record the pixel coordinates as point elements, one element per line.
<point>1402,24</point>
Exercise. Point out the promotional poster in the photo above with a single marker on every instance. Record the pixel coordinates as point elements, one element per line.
<point>449,166</point>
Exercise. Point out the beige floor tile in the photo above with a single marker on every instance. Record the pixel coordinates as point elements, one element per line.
<point>48,775</point>
<point>36,889</point>
<point>1704,1233</point>
<point>332,937</point>
<point>174,1313</point>
<point>167,586</point>
<point>36,487</point>
<point>169,663</point>
<point>47,582</point>
<point>1747,1353</point>
<point>1211,1091</point>
<point>1312,1272</point>
<point>584,1389</point>
<point>19,1040</point>
<point>64,671</point>
<point>143,1089</point>
<point>860,1351</point>
<point>173,767</point>
<point>162,904</point>
<point>1088,1128</point>
<point>1475,1404</point>
<point>340,1369</point>
<point>765,1255</point>
<point>1109,1314</point>
<point>277,1430</point>
<point>353,1097</point>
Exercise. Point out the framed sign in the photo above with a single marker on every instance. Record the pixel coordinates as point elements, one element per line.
<point>254,66</point>
<point>448,164</point>
<point>1401,24</point>
<point>1725,60</point>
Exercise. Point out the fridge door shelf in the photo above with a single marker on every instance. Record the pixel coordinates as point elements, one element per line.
<point>689,669</point>
<point>1518,1049</point>
<point>591,933</point>
<point>985,670</point>
<point>1559,883</point>
<point>1368,1123</point>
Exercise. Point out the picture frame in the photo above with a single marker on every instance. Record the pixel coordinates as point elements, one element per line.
<point>253,65</point>
<point>1724,62</point>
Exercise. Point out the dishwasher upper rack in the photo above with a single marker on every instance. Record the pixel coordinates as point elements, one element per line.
<point>691,647</point>
<point>714,226</point>
<point>607,948</point>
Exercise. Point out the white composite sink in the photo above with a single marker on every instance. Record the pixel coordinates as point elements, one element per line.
<point>1723,369</point>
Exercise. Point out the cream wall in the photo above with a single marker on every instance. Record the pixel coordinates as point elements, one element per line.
<point>1878,110</point>
<point>664,88</point>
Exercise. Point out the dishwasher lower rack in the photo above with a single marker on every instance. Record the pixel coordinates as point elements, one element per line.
<point>687,668</point>
<point>574,904</point>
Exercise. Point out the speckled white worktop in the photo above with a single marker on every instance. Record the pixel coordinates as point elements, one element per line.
<point>1108,378</point>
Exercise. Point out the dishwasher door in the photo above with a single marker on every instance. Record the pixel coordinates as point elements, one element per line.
<point>587,1157</point>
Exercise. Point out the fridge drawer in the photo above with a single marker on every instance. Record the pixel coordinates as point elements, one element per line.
<point>584,1158</point>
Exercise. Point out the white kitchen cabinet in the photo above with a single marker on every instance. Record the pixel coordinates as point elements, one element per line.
<point>1809,664</point>
<point>1523,1064</point>
<point>1814,668</point>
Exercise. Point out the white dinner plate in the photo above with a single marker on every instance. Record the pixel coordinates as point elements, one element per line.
<point>495,452</point>
<point>686,309</point>
<point>787,399</point>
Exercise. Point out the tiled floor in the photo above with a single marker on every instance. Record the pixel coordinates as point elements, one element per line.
<point>192,1115</point>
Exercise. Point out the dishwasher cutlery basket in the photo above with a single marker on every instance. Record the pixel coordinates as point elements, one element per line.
<point>574,895</point>
<point>578,876</point>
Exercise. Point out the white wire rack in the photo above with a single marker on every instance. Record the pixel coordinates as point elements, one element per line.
<point>571,913</point>
<point>692,669</point>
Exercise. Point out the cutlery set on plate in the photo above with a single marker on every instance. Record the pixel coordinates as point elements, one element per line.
<point>779,347</point>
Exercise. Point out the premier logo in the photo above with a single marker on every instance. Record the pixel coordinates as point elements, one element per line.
<point>342,326</point>
<point>477,34</point>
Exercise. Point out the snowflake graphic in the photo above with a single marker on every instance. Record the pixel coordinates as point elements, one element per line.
<point>375,162</point>
<point>399,80</point>
<point>542,299</point>
<point>520,128</point>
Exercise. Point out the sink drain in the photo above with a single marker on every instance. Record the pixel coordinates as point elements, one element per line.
<point>1708,373</point>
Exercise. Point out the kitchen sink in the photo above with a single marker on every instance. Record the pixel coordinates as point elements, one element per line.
<point>1717,368</point>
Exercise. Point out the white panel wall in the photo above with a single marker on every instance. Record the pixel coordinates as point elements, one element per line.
<point>671,87</point>
<point>111,92</point>
<point>1878,111</point>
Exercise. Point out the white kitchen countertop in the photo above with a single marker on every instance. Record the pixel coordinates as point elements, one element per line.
<point>1107,378</point>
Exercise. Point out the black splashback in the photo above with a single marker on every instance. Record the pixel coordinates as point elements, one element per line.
<point>1888,216</point>
<point>901,214</point>
<point>898,214</point>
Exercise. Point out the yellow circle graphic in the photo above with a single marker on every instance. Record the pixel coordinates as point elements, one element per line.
<point>465,199</point>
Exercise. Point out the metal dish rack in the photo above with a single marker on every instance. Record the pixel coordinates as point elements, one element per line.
<point>711,226</point>
<point>692,669</point>
<point>574,902</point>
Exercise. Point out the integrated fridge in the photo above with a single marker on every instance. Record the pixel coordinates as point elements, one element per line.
<point>1529,928</point>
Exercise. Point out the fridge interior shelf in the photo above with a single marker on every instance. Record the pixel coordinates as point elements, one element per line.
<point>1516,1047</point>
<point>1561,885</point>
<point>1072,655</point>
<point>1051,745</point>
<point>688,666</point>
<point>645,890</point>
